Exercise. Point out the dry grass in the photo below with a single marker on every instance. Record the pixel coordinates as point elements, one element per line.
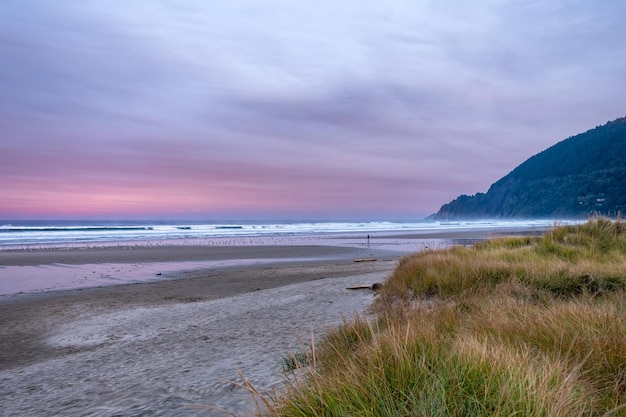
<point>520,326</point>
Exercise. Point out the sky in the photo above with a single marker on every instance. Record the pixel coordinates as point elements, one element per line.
<point>294,109</point>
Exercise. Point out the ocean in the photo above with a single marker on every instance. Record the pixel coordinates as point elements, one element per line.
<point>47,233</point>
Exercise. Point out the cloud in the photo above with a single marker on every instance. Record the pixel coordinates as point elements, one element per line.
<point>354,104</point>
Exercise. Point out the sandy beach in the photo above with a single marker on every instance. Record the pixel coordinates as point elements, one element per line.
<point>159,347</point>
<point>158,330</point>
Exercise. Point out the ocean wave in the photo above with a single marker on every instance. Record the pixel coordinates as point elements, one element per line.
<point>76,232</point>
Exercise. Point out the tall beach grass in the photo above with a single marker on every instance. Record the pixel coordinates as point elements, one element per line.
<point>518,326</point>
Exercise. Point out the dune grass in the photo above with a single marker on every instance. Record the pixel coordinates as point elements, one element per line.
<point>520,326</point>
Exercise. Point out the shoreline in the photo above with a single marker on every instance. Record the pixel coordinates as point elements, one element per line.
<point>157,346</point>
<point>337,238</point>
<point>163,253</point>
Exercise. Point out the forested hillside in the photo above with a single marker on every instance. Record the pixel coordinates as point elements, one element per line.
<point>582,175</point>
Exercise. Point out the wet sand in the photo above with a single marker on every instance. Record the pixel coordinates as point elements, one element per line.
<point>154,348</point>
<point>163,253</point>
<point>24,271</point>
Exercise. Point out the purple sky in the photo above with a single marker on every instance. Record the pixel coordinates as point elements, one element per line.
<point>291,108</point>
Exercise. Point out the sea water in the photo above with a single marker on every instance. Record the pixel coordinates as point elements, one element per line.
<point>396,238</point>
<point>58,233</point>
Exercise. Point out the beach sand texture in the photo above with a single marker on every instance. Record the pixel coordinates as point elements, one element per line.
<point>162,342</point>
<point>158,348</point>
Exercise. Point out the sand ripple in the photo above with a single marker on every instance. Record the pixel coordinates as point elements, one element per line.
<point>155,361</point>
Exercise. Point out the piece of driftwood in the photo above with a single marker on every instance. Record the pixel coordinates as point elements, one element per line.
<point>365,260</point>
<point>374,286</point>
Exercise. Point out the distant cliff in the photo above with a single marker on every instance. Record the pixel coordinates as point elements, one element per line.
<point>582,175</point>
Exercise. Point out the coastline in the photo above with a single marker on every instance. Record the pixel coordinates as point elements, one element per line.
<point>36,268</point>
<point>159,345</point>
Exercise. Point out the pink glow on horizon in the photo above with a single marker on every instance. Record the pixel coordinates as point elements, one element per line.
<point>188,191</point>
<point>118,202</point>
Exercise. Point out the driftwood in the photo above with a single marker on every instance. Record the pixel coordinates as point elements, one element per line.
<point>365,260</point>
<point>375,286</point>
